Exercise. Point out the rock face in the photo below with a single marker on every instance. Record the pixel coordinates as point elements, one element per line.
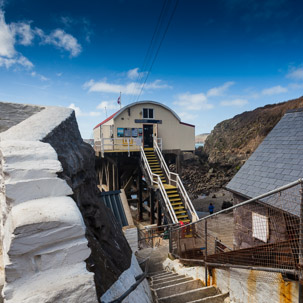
<point>232,141</point>
<point>111,254</point>
<point>42,230</point>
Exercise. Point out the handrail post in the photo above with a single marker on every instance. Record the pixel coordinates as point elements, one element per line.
<point>128,146</point>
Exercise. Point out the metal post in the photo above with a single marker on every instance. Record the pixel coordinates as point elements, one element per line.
<point>205,266</point>
<point>170,240</point>
<point>301,249</point>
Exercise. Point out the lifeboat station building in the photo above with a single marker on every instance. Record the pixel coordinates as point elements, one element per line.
<point>141,124</point>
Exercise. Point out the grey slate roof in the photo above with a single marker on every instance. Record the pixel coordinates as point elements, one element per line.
<point>112,200</point>
<point>276,162</point>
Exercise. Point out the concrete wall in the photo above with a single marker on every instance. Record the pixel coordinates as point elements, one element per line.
<point>243,286</point>
<point>174,134</point>
<point>42,230</point>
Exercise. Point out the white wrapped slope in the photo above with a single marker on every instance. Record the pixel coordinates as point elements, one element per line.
<point>42,230</point>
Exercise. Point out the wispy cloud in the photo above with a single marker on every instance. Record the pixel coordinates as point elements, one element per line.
<point>275,90</point>
<point>79,112</point>
<point>132,88</point>
<point>21,33</point>
<point>109,105</point>
<point>220,90</point>
<point>193,101</point>
<point>295,73</point>
<point>134,73</point>
<point>41,77</point>
<point>61,40</point>
<point>235,102</point>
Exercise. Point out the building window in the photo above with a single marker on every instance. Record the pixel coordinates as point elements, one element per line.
<point>148,113</point>
<point>260,227</point>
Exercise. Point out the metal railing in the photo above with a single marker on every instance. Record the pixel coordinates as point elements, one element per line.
<point>153,236</point>
<point>155,179</point>
<point>264,233</point>
<point>174,179</point>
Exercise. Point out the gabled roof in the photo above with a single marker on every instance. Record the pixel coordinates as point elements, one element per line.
<point>107,119</point>
<point>276,162</point>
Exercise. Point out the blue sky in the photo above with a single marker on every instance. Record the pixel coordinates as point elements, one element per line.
<point>218,58</point>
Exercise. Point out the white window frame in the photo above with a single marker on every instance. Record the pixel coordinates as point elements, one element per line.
<point>148,109</point>
<point>260,227</point>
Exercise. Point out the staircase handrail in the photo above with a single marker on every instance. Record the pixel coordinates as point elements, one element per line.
<point>160,186</point>
<point>188,203</point>
<point>183,192</point>
<point>162,161</point>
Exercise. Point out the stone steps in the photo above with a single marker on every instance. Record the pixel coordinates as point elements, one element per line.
<point>169,287</point>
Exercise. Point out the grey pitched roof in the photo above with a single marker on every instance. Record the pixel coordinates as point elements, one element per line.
<point>276,162</point>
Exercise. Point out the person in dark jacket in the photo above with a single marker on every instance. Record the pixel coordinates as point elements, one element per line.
<point>211,208</point>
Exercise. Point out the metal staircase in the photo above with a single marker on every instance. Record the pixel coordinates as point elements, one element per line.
<point>177,202</point>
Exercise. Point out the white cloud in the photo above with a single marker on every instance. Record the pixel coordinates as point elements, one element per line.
<point>187,116</point>
<point>235,102</point>
<point>132,88</point>
<point>41,77</point>
<point>109,105</point>
<point>23,32</point>
<point>7,39</point>
<point>62,40</point>
<point>134,73</point>
<point>18,59</point>
<point>275,90</point>
<point>220,90</point>
<point>193,101</point>
<point>295,73</point>
<point>79,112</point>
<point>296,85</point>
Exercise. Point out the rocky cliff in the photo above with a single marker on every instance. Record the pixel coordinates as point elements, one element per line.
<point>232,141</point>
<point>229,145</point>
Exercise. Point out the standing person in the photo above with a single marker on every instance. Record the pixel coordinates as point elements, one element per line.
<point>211,208</point>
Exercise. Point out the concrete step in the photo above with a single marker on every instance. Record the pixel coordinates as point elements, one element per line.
<point>190,295</point>
<point>172,282</point>
<point>212,299</point>
<point>156,273</point>
<point>178,288</point>
<point>165,279</point>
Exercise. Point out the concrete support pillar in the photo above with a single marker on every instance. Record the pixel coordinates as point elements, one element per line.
<point>178,162</point>
<point>152,207</point>
<point>140,189</point>
<point>159,213</point>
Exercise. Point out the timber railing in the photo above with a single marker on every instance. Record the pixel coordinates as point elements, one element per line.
<point>156,180</point>
<point>264,233</point>
<point>175,180</point>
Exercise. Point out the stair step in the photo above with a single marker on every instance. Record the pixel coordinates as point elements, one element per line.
<point>167,278</point>
<point>180,217</point>
<point>178,288</point>
<point>172,282</point>
<point>178,207</point>
<point>173,196</point>
<point>212,299</point>
<point>186,221</point>
<point>190,295</point>
<point>156,273</point>
<point>180,212</point>
<point>176,203</point>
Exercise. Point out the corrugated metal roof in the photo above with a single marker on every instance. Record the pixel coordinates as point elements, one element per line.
<point>112,200</point>
<point>276,162</point>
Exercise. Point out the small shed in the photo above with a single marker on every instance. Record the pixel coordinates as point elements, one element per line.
<point>276,162</point>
